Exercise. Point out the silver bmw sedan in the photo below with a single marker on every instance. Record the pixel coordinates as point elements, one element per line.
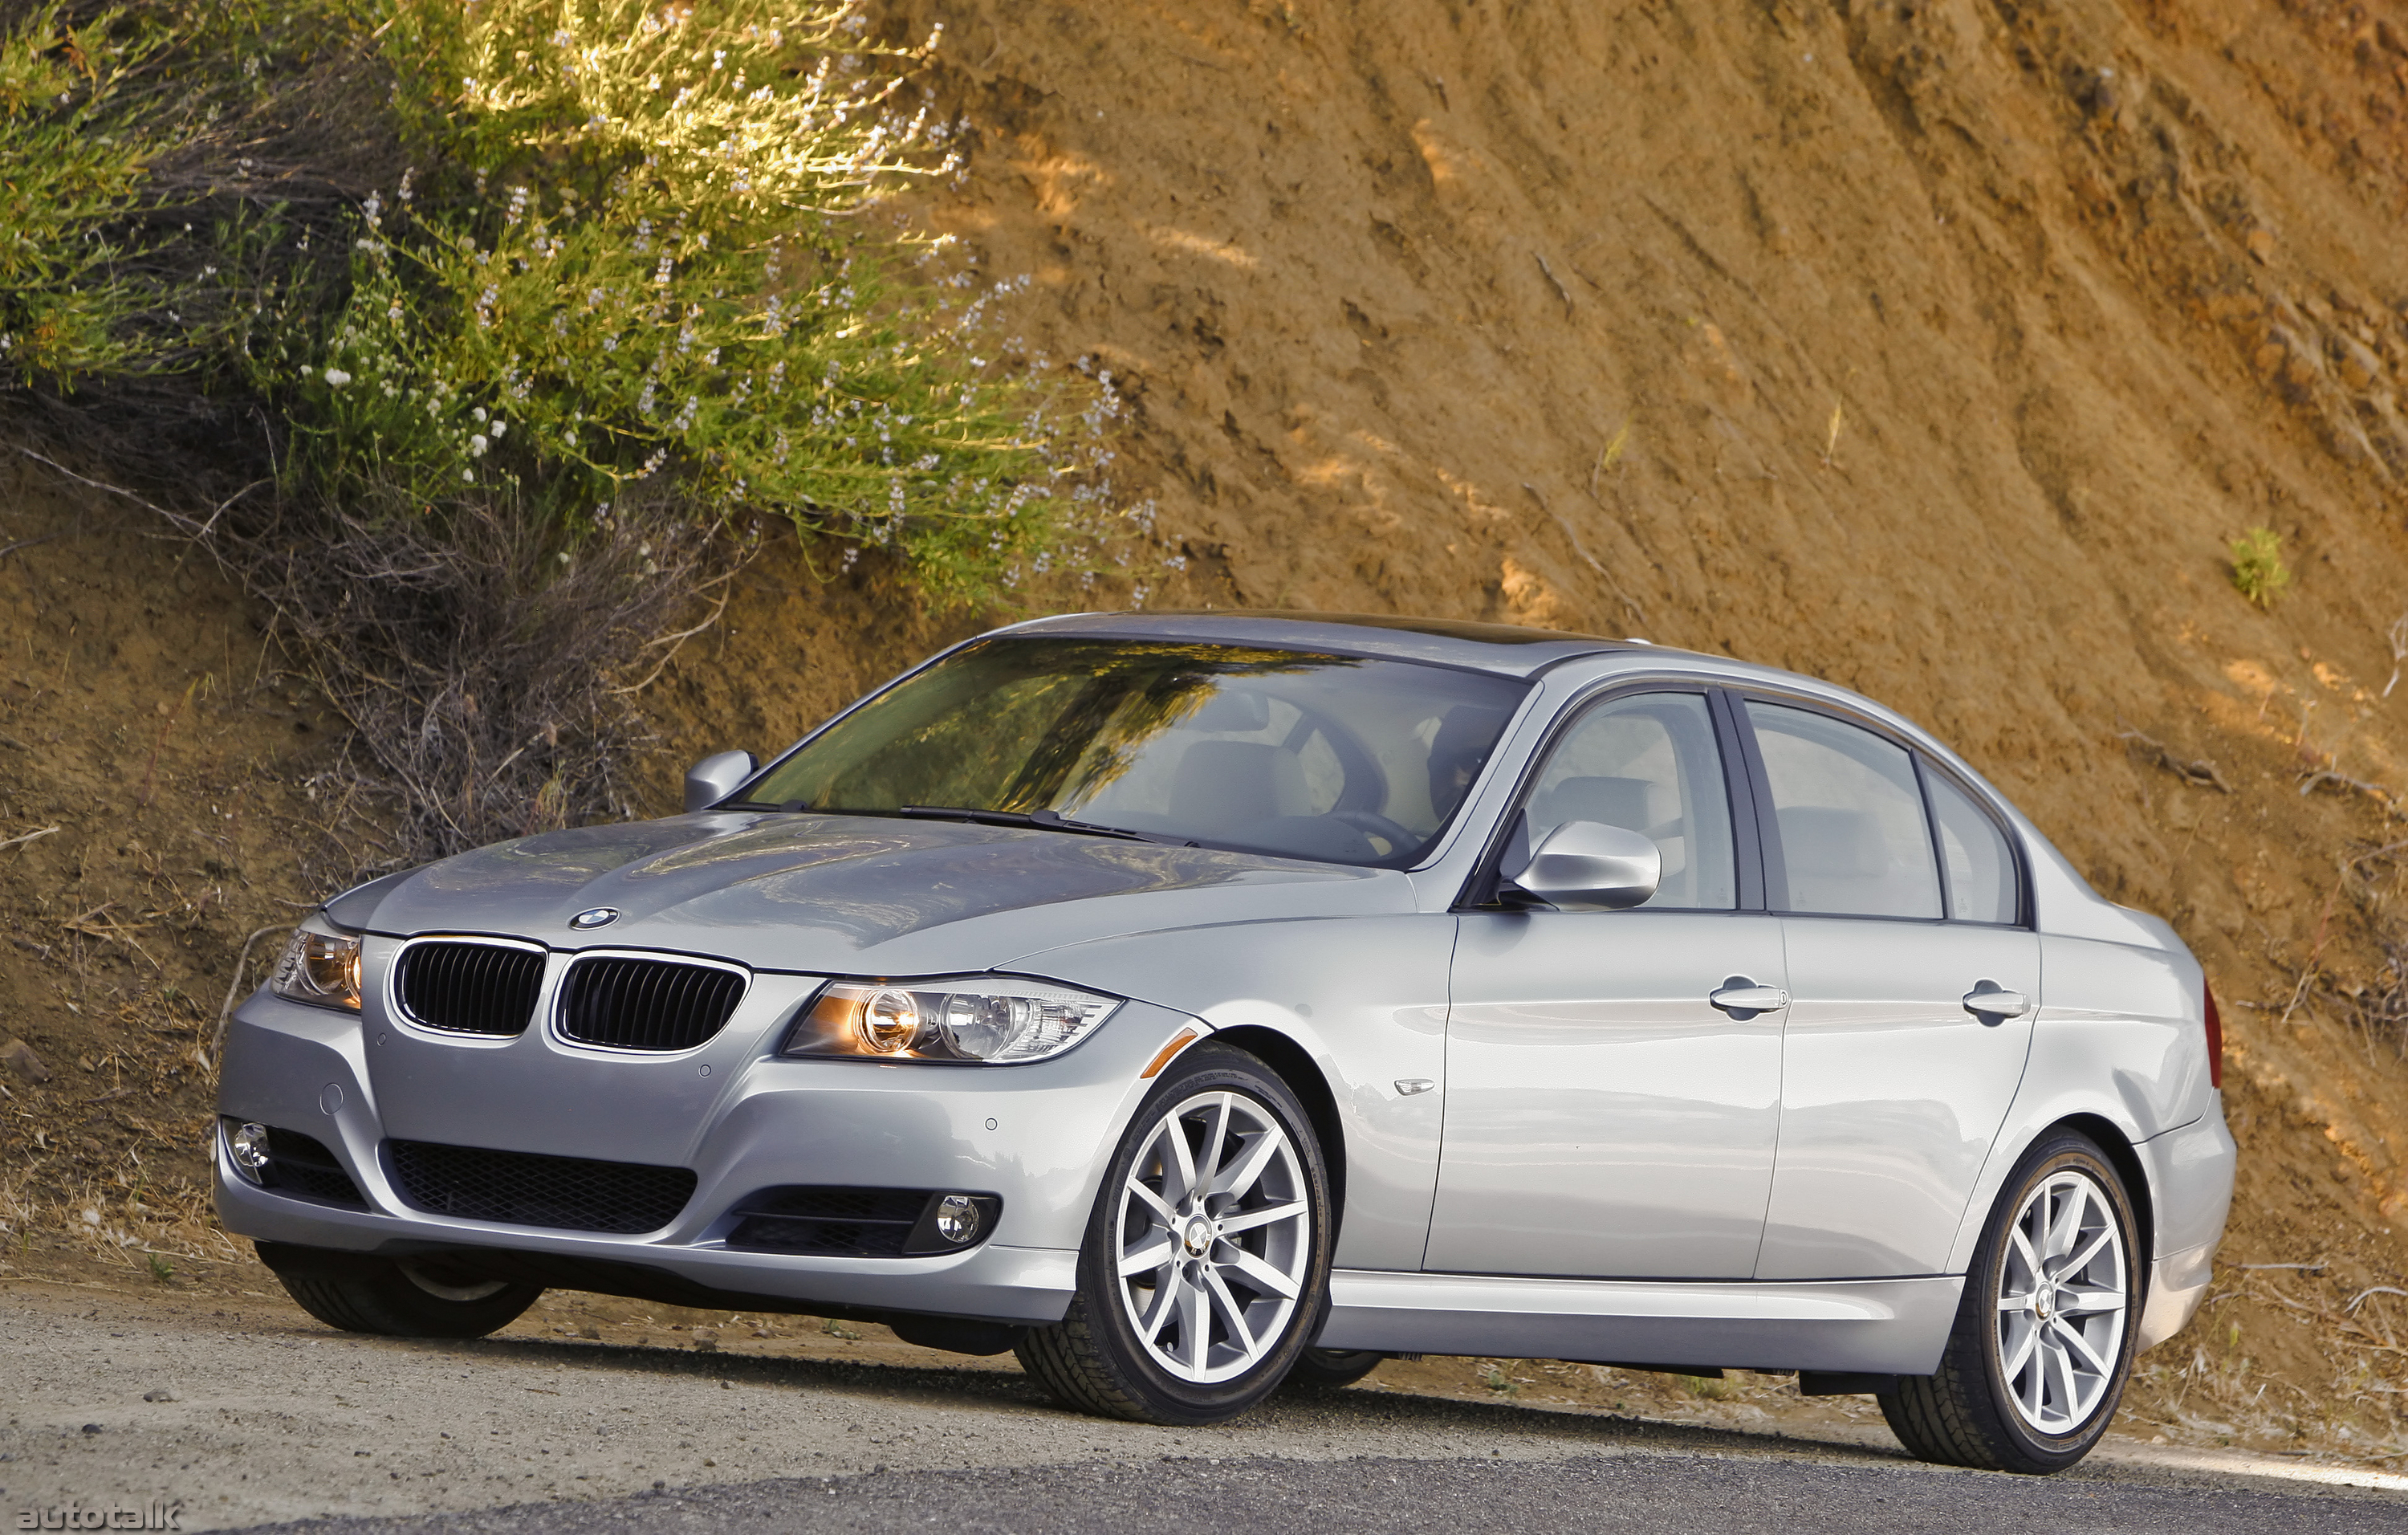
<point>1196,1003</point>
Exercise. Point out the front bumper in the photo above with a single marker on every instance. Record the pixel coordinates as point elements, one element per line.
<point>741,1118</point>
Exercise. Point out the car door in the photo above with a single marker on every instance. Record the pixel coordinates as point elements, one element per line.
<point>1901,910</point>
<point>1603,1117</point>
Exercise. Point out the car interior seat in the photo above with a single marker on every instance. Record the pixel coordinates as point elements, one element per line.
<point>1457,752</point>
<point>1225,784</point>
<point>1837,861</point>
<point>1628,802</point>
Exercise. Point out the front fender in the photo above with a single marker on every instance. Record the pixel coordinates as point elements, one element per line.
<point>1364,998</point>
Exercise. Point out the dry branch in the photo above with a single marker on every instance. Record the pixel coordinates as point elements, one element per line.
<point>2202,772</point>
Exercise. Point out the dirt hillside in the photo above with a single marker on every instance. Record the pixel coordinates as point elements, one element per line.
<point>1941,349</point>
<point>1937,349</point>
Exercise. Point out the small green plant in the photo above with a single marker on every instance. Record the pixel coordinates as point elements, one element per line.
<point>1710,1389</point>
<point>2258,572</point>
<point>835,1328</point>
<point>161,1269</point>
<point>1495,1379</point>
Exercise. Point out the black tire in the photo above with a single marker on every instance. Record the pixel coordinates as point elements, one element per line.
<point>1332,1369</point>
<point>1978,1411</point>
<point>1095,1358</point>
<point>359,1292</point>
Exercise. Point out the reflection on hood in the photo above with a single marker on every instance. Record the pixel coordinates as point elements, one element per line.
<point>866,880</point>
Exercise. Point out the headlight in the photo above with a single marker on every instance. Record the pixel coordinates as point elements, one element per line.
<point>984,1019</point>
<point>319,967</point>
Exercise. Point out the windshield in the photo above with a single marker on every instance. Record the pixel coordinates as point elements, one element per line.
<point>1334,758</point>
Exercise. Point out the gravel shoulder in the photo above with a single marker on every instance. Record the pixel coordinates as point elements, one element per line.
<point>245,1412</point>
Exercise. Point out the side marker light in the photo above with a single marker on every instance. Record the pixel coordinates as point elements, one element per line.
<point>1180,1041</point>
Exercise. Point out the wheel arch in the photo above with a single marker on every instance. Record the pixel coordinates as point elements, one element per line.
<point>2120,1153</point>
<point>1294,1065</point>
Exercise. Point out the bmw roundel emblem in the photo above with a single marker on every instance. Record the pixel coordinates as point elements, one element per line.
<point>601,916</point>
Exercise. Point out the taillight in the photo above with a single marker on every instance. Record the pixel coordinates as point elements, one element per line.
<point>2215,1041</point>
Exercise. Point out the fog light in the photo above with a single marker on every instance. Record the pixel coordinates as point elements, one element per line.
<point>958,1219</point>
<point>247,1145</point>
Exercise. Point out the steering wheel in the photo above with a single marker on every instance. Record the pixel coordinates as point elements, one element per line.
<point>1396,837</point>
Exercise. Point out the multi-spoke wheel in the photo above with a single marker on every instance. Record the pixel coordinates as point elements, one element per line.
<point>2062,1303</point>
<point>1215,1235</point>
<point>1207,1253</point>
<point>2043,1339</point>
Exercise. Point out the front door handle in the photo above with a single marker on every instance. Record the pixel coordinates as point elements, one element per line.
<point>1743,999</point>
<point>1993,1003</point>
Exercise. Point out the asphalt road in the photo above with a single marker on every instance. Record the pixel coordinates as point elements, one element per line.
<point>1665,1494</point>
<point>244,1414</point>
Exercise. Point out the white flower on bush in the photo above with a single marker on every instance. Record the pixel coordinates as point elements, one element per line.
<point>337,377</point>
<point>477,446</point>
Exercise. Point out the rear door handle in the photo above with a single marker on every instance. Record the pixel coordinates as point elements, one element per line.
<point>1992,1003</point>
<point>1743,999</point>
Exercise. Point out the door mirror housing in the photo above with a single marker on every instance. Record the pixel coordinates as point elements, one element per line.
<point>1589,865</point>
<point>714,777</point>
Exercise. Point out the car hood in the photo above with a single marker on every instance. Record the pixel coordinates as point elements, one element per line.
<point>858,895</point>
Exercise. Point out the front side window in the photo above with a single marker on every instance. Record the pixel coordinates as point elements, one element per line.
<point>1336,758</point>
<point>1847,818</point>
<point>1648,764</point>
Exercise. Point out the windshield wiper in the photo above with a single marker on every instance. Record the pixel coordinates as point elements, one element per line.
<point>1041,820</point>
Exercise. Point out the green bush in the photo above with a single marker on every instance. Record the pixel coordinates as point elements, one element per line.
<point>632,247</point>
<point>466,333</point>
<point>637,249</point>
<point>73,170</point>
<point>139,224</point>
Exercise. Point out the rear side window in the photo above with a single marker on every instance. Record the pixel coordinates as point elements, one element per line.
<point>1847,819</point>
<point>1973,857</point>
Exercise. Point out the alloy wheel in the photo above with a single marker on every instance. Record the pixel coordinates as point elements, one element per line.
<point>2062,1303</point>
<point>1215,1236</point>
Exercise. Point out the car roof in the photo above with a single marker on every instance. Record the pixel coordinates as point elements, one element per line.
<point>1507,649</point>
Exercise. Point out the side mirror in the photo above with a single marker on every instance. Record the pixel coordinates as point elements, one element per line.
<point>713,779</point>
<point>1587,865</point>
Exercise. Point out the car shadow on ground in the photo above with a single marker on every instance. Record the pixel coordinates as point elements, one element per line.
<point>1509,1427</point>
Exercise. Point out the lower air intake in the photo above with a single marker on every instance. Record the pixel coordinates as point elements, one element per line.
<point>857,1222</point>
<point>522,1188</point>
<point>299,1166</point>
